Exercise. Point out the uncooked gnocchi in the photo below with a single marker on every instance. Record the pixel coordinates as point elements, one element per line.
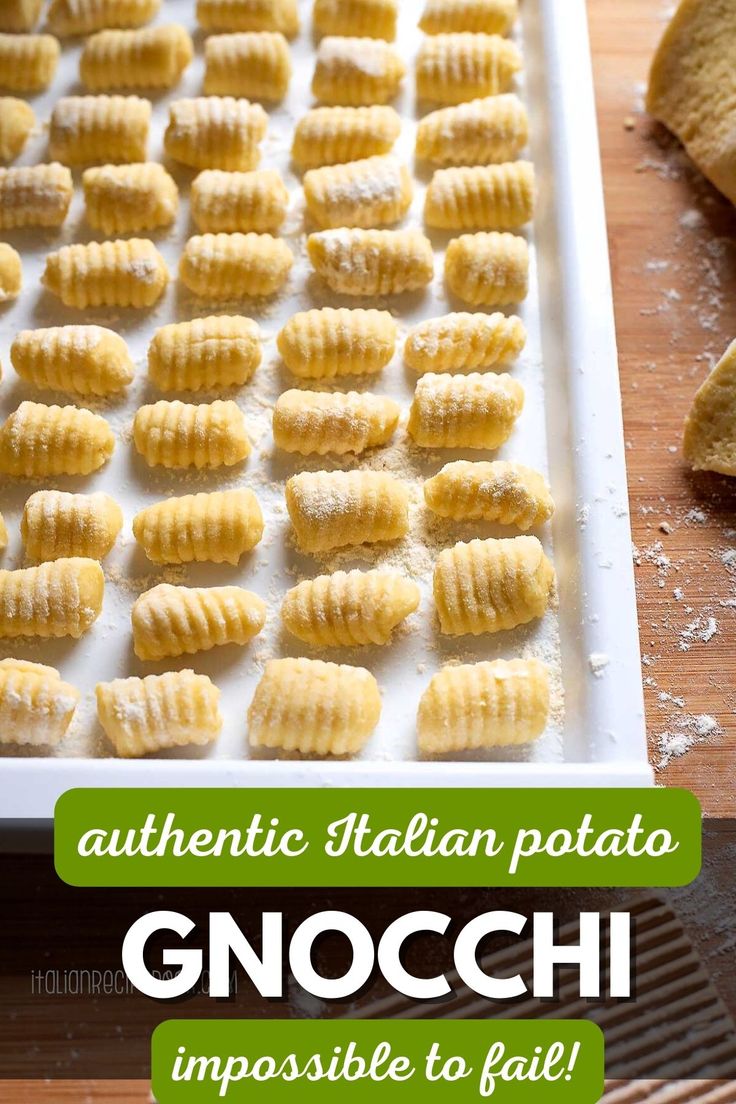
<point>495,128</point>
<point>372,192</point>
<point>122,273</point>
<point>487,586</point>
<point>81,17</point>
<point>170,621</point>
<point>488,269</point>
<point>3,534</point>
<point>19,15</point>
<point>83,360</point>
<point>476,411</point>
<point>99,129</point>
<point>502,491</point>
<point>233,266</point>
<point>253,64</point>
<point>185,435</point>
<point>313,707</point>
<point>28,61</point>
<point>16,123</point>
<point>357,18</point>
<point>154,57</point>
<point>11,273</point>
<point>38,440</point>
<point>202,528</point>
<point>215,132</point>
<point>463,342</point>
<point>372,262</point>
<point>36,707</point>
<point>454,68</point>
<point>352,72</point>
<point>232,201</point>
<point>486,16</point>
<point>204,354</point>
<point>334,509</point>
<point>249,15</point>
<point>334,135</point>
<point>34,195</point>
<point>490,197</point>
<point>347,609</point>
<point>319,422</point>
<point>141,715</point>
<point>63,598</point>
<point>56,525</point>
<point>323,344</point>
<point>121,199</point>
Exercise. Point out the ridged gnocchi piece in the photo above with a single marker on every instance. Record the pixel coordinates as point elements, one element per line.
<point>462,342</point>
<point>99,129</point>
<point>120,199</point>
<point>488,269</point>
<point>82,17</point>
<point>356,71</point>
<point>371,262</point>
<point>216,527</point>
<point>34,195</point>
<point>63,598</point>
<point>36,707</point>
<point>334,135</point>
<point>215,132</point>
<point>238,201</point>
<point>191,435</point>
<point>249,15</point>
<point>122,273</point>
<point>347,609</point>
<point>38,440</point>
<point>231,266</point>
<point>141,715</point>
<point>372,192</point>
<point>492,197</point>
<point>323,344</point>
<point>486,586</point>
<point>494,128</point>
<point>28,61</point>
<point>56,525</point>
<point>3,534</point>
<point>313,707</point>
<point>255,64</point>
<point>83,360</point>
<point>204,354</point>
<point>454,68</point>
<point>334,509</point>
<point>321,422</point>
<point>154,57</point>
<point>19,15</point>
<point>486,16</point>
<point>11,273</point>
<point>357,18</point>
<point>16,123</point>
<point>502,491</point>
<point>177,620</point>
<point>474,411</point>
<point>484,705</point>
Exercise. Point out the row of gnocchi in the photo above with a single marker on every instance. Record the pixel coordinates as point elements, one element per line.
<point>375,191</point>
<point>483,269</point>
<point>222,132</point>
<point>300,705</point>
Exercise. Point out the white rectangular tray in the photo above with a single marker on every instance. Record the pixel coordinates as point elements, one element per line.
<point>571,427</point>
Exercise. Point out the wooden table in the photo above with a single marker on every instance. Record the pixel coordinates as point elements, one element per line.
<point>673,250</point>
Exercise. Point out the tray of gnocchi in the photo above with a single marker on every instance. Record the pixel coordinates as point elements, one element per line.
<point>311,455</point>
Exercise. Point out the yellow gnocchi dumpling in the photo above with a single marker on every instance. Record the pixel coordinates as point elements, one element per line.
<point>99,129</point>
<point>313,707</point>
<point>231,266</point>
<point>347,609</point>
<point>495,128</point>
<point>493,197</point>
<point>249,15</point>
<point>141,715</point>
<point>322,344</point>
<point>56,525</point>
<point>204,354</point>
<point>38,440</point>
<point>154,57</point>
<point>488,269</point>
<point>123,273</point>
<point>334,135</point>
<point>454,68</point>
<point>253,64</point>
<point>232,201</point>
<point>185,435</point>
<point>84,360</point>
<point>484,705</point>
<point>19,15</point>
<point>177,620</point>
<point>36,707</point>
<point>371,262</point>
<point>486,16</point>
<point>486,586</point>
<point>501,491</point>
<point>63,598</point>
<point>359,18</point>
<point>334,509</point>
<point>372,192</point>
<point>215,132</point>
<point>81,17</point>
<point>28,61</point>
<point>120,199</point>
<point>3,534</point>
<point>462,342</point>
<point>321,422</point>
<point>34,195</point>
<point>16,123</point>
<point>202,528</point>
<point>11,273</point>
<point>473,411</point>
<point>356,71</point>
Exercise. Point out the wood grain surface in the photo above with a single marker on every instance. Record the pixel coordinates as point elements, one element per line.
<point>673,256</point>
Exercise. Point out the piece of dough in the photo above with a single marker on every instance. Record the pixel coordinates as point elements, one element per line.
<point>710,428</point>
